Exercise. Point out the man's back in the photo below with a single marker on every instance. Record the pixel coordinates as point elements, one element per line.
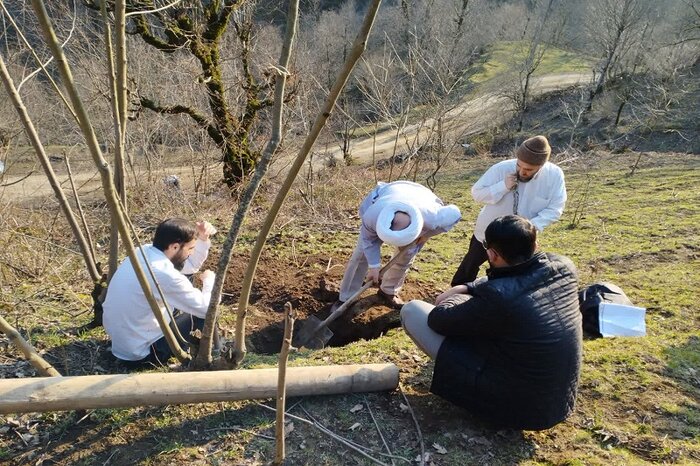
<point>128,318</point>
<point>525,346</point>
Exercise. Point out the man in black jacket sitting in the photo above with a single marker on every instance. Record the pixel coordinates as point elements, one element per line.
<point>506,347</point>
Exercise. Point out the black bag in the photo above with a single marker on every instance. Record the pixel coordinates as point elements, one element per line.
<point>591,297</point>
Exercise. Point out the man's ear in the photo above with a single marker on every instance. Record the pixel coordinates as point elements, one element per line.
<point>172,249</point>
<point>492,254</point>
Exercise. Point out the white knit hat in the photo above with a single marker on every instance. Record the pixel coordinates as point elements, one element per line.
<point>448,216</point>
<point>403,237</point>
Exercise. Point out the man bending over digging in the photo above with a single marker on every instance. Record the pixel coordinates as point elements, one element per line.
<point>398,214</point>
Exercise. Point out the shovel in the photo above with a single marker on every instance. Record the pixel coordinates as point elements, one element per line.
<point>314,333</point>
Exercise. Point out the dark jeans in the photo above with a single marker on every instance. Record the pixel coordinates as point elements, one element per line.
<point>160,351</point>
<point>469,268</point>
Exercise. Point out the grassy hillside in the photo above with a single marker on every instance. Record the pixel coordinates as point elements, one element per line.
<point>661,116</point>
<point>503,57</point>
<point>638,397</point>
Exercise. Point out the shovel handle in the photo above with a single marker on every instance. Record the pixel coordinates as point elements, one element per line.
<point>338,312</point>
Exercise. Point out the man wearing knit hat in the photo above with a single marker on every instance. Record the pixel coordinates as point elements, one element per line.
<point>398,213</point>
<point>529,186</point>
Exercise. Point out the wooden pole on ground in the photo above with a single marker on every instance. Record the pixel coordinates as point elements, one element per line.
<point>156,389</point>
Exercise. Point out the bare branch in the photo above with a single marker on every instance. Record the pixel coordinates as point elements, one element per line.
<point>146,12</point>
<point>39,363</point>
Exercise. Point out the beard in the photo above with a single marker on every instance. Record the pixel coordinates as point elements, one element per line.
<point>179,261</point>
<point>522,179</point>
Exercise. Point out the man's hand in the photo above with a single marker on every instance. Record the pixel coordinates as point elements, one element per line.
<point>373,275</point>
<point>459,289</point>
<point>511,181</point>
<point>205,230</point>
<point>207,276</point>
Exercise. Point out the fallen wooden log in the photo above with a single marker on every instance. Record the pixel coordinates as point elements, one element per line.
<point>155,389</point>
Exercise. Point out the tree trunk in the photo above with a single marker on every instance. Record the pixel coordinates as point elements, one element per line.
<point>30,354</point>
<point>204,356</point>
<point>619,112</point>
<point>239,160</point>
<point>320,121</point>
<point>289,316</point>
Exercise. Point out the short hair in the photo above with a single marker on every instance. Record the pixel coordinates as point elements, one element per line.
<point>174,230</point>
<point>513,237</point>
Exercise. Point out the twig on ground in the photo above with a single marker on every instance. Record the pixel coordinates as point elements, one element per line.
<point>21,437</point>
<point>281,227</point>
<point>415,421</point>
<point>362,447</point>
<point>51,243</point>
<point>331,434</point>
<point>116,450</point>
<point>330,267</point>
<point>379,431</point>
<point>5,185</point>
<point>18,269</point>
<point>88,413</point>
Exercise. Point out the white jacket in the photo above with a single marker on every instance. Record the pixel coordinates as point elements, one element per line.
<point>541,199</point>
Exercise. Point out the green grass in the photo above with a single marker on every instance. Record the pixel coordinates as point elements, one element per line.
<point>503,56</point>
<point>637,400</point>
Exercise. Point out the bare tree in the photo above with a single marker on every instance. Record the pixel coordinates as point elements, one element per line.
<point>320,121</point>
<point>413,86</point>
<point>204,357</point>
<point>690,28</point>
<point>537,49</point>
<point>111,196</point>
<point>197,28</point>
<point>614,28</point>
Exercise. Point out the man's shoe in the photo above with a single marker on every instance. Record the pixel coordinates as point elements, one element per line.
<point>390,300</point>
<point>336,305</point>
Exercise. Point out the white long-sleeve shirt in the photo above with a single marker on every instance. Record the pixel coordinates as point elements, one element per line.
<point>415,194</point>
<point>128,318</point>
<point>541,199</point>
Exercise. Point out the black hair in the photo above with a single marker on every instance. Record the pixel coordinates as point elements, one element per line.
<point>513,237</point>
<point>174,230</point>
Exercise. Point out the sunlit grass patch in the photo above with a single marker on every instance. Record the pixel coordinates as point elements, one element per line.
<point>506,54</point>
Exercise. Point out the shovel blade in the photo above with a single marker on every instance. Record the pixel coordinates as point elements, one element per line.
<point>311,336</point>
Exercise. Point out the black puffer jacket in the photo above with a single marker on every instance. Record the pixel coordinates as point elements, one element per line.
<point>513,349</point>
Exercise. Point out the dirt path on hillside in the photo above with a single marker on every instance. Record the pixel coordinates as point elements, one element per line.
<point>23,189</point>
<point>468,118</point>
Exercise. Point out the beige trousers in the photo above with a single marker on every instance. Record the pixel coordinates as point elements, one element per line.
<point>393,278</point>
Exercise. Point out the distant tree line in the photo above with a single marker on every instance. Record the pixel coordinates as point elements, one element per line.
<point>201,72</point>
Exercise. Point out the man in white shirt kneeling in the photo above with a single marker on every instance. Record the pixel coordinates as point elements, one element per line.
<point>179,248</point>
